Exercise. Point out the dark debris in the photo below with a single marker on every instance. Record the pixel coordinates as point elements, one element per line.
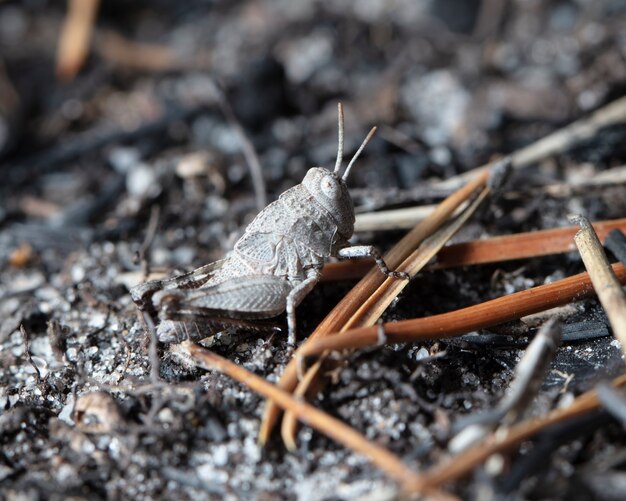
<point>84,163</point>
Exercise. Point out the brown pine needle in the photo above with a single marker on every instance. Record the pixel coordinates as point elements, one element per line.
<point>520,246</point>
<point>457,466</point>
<point>75,39</point>
<point>339,317</point>
<point>328,425</point>
<point>607,286</point>
<point>489,250</point>
<point>480,316</point>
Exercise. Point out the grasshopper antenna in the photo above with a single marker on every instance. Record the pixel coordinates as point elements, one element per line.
<point>358,152</point>
<point>340,142</point>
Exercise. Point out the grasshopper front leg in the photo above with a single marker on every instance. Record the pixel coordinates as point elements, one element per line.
<point>360,251</point>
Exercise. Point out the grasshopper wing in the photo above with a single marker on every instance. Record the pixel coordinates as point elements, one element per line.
<point>248,297</point>
<point>271,254</point>
<point>258,249</point>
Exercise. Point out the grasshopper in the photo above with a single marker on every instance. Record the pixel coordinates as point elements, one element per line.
<point>273,266</point>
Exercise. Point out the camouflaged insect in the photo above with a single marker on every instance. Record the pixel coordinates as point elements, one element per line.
<point>273,266</point>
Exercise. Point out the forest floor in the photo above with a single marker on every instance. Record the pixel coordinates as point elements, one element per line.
<point>137,136</point>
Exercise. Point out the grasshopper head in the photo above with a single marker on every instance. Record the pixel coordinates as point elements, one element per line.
<point>331,192</point>
<point>329,187</point>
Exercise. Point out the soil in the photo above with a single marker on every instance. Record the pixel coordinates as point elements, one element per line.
<point>87,164</point>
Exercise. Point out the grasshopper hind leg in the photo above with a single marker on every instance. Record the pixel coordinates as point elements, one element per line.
<point>171,331</point>
<point>176,331</point>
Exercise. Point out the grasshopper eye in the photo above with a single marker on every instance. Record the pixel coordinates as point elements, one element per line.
<point>330,187</point>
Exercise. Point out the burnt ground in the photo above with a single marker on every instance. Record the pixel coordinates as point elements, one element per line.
<point>85,163</point>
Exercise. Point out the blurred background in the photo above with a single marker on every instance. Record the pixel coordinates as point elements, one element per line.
<point>144,135</point>
<point>107,106</point>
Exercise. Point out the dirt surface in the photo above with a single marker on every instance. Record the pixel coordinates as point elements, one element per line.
<point>87,164</point>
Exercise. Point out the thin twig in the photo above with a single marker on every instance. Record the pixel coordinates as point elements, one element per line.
<point>252,159</point>
<point>407,217</point>
<point>529,373</point>
<point>480,316</point>
<point>75,37</point>
<point>341,314</point>
<point>28,355</point>
<point>557,142</point>
<point>606,284</point>
<point>153,224</point>
<point>489,250</point>
<point>393,219</point>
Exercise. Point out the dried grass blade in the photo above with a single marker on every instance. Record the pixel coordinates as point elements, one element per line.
<point>606,284</point>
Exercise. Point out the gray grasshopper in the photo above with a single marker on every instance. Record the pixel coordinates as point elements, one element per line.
<point>273,266</point>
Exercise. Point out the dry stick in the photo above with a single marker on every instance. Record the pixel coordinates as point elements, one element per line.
<point>341,314</point>
<point>457,466</point>
<point>601,179</point>
<point>406,218</point>
<point>75,37</point>
<point>480,316</point>
<point>529,374</point>
<point>374,306</point>
<point>153,224</point>
<point>393,219</point>
<point>490,250</point>
<point>608,288</point>
<point>330,426</point>
<point>557,142</point>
